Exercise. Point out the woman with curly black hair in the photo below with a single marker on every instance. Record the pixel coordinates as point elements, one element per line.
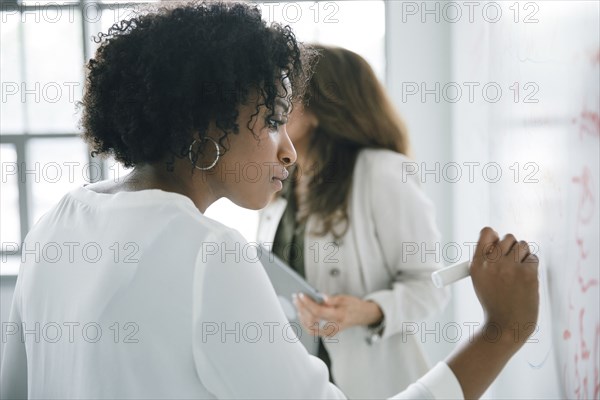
<point>143,296</point>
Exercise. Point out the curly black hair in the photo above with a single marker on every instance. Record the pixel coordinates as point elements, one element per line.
<point>158,78</point>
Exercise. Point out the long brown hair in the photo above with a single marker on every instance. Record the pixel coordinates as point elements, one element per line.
<point>353,112</point>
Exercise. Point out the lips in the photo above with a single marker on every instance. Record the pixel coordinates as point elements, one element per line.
<point>283,176</point>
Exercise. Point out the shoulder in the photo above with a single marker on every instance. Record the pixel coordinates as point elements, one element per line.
<point>145,212</point>
<point>209,233</point>
<point>370,155</point>
<point>389,179</point>
<point>383,166</point>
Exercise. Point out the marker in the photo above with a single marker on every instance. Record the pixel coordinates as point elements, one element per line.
<point>450,274</point>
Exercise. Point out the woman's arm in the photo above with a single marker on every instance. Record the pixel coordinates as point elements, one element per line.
<point>505,278</point>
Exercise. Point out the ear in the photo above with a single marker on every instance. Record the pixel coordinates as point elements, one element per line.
<point>314,121</point>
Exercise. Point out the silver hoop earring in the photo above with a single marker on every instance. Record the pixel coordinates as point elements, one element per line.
<point>213,163</point>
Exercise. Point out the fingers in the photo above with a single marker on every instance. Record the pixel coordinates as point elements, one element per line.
<point>317,310</point>
<point>531,261</point>
<point>487,240</point>
<point>489,248</point>
<point>307,319</point>
<point>333,301</point>
<point>507,243</point>
<point>521,251</point>
<point>318,320</point>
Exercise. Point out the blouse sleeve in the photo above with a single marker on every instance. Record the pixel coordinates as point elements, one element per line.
<point>243,346</point>
<point>439,383</point>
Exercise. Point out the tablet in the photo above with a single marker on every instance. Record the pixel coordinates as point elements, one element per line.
<point>287,282</point>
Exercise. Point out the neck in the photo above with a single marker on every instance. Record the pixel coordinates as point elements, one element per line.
<point>180,180</point>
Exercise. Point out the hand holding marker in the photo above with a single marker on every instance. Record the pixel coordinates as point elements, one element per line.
<point>452,273</point>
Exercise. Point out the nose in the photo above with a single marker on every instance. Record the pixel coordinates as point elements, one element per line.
<point>287,153</point>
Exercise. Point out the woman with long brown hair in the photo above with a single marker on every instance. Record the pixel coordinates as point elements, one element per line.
<point>345,221</point>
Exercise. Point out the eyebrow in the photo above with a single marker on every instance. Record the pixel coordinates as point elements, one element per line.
<point>285,104</point>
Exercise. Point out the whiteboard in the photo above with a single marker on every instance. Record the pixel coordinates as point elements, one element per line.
<point>542,135</point>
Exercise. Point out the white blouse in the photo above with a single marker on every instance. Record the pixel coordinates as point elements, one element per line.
<point>138,295</point>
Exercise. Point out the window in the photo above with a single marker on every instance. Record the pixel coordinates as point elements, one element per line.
<point>44,47</point>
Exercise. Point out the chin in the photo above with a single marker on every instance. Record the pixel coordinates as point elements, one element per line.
<point>252,204</point>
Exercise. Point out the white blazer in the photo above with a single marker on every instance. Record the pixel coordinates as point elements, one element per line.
<point>382,258</point>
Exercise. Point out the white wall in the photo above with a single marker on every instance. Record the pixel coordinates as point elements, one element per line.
<point>419,53</point>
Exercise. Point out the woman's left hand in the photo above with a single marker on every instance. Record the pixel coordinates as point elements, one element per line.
<point>336,313</point>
